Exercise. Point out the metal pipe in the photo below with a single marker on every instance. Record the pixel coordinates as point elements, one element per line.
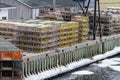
<point>87,7</point>
<point>94,26</point>
<point>99,19</point>
<point>81,6</point>
<point>54,4</point>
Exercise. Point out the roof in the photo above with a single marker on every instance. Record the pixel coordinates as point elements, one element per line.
<point>40,3</point>
<point>7,46</point>
<point>2,5</point>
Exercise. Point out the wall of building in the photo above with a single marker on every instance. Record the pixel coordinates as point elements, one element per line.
<point>3,13</point>
<point>21,11</point>
<point>105,3</point>
<point>109,3</point>
<point>35,13</point>
<point>68,8</point>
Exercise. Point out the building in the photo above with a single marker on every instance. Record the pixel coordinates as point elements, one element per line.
<point>109,3</point>
<point>22,11</point>
<point>105,3</point>
<point>27,9</point>
<point>4,10</point>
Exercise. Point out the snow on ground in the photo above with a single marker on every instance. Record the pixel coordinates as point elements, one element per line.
<point>116,68</point>
<point>108,62</point>
<point>83,72</point>
<point>83,62</point>
<point>116,59</point>
<point>113,63</point>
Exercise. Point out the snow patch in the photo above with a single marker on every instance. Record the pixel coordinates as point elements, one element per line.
<point>108,62</point>
<point>83,72</point>
<point>116,59</point>
<point>116,68</point>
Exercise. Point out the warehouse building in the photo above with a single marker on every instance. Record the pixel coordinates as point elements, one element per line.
<point>27,9</point>
<point>4,10</point>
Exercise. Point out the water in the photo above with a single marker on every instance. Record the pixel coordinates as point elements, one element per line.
<point>100,73</point>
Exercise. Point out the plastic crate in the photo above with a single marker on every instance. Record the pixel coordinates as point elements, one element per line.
<point>43,40</point>
<point>7,64</point>
<point>44,29</point>
<point>37,29</point>
<point>83,39</point>
<point>43,49</point>
<point>7,75</point>
<point>11,55</point>
<point>6,55</point>
<point>17,55</point>
<point>17,74</point>
<point>17,64</point>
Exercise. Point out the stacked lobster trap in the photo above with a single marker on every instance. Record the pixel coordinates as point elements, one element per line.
<point>110,22</point>
<point>47,35</point>
<point>7,29</point>
<point>10,61</point>
<point>83,27</point>
<point>68,34</point>
<point>44,35</point>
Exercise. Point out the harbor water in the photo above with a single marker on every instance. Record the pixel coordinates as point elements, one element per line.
<point>108,69</point>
